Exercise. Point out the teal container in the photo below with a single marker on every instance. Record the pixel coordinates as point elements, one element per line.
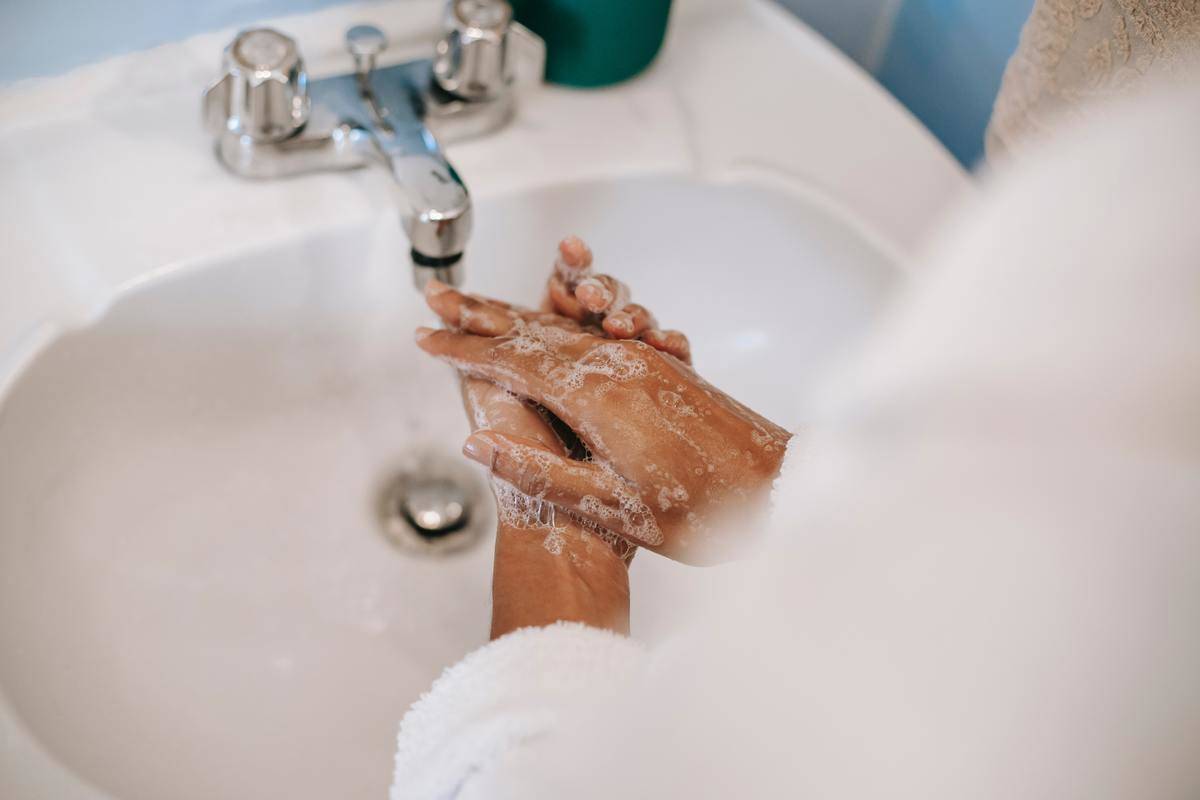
<point>596,42</point>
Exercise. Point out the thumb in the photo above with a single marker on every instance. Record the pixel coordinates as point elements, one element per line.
<point>589,490</point>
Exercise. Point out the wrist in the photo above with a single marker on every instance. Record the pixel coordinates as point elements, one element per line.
<point>565,573</point>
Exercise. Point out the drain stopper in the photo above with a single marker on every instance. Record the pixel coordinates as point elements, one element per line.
<point>435,507</point>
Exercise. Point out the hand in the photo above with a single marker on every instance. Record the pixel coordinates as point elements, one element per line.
<point>574,292</point>
<point>576,300</point>
<point>676,460</point>
<point>551,565</point>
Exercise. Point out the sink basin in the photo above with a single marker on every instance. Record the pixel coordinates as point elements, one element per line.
<point>196,597</point>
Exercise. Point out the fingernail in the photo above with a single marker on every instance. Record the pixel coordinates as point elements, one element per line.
<point>434,287</point>
<point>619,324</point>
<point>574,253</point>
<point>479,449</point>
<point>423,333</point>
<point>594,295</point>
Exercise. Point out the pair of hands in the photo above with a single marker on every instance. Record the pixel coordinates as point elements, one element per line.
<point>599,436</point>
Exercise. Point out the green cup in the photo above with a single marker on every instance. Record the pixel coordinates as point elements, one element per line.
<point>596,42</point>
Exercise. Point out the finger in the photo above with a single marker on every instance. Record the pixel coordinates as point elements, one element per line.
<point>472,355</point>
<point>574,261</point>
<point>494,359</point>
<point>471,314</point>
<point>601,293</point>
<point>670,342</point>
<point>500,303</point>
<point>583,488</point>
<point>484,316</point>
<point>489,406</point>
<point>563,301</point>
<point>454,346</point>
<point>629,323</point>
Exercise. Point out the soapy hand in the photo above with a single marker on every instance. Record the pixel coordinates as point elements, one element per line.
<point>550,565</point>
<point>674,459</point>
<point>577,294</point>
<point>576,300</point>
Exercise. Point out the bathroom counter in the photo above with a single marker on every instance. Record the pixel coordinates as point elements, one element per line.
<point>110,179</point>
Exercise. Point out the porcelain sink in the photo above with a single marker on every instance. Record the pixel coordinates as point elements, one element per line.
<point>196,599</point>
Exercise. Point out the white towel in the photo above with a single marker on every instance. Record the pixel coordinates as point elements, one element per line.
<point>500,696</point>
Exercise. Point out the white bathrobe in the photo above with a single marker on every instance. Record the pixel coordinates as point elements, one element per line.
<point>984,574</point>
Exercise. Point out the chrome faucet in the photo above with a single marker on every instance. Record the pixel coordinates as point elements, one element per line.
<point>270,121</point>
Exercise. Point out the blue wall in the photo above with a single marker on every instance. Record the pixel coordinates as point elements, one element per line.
<point>945,60</point>
<point>860,28</point>
<point>941,58</point>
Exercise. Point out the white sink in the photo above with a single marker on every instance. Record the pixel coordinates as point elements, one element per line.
<point>196,600</point>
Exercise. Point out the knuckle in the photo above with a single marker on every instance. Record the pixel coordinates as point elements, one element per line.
<point>633,345</point>
<point>531,479</point>
<point>638,347</point>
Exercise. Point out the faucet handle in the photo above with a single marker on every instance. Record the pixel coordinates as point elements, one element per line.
<point>471,60</point>
<point>263,92</point>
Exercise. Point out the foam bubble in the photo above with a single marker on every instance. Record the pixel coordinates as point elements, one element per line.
<point>520,512</point>
<point>614,360</point>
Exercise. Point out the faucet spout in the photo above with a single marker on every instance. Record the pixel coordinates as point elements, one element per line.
<point>435,206</point>
<point>435,213</point>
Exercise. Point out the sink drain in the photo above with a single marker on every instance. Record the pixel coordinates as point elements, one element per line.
<point>435,508</point>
